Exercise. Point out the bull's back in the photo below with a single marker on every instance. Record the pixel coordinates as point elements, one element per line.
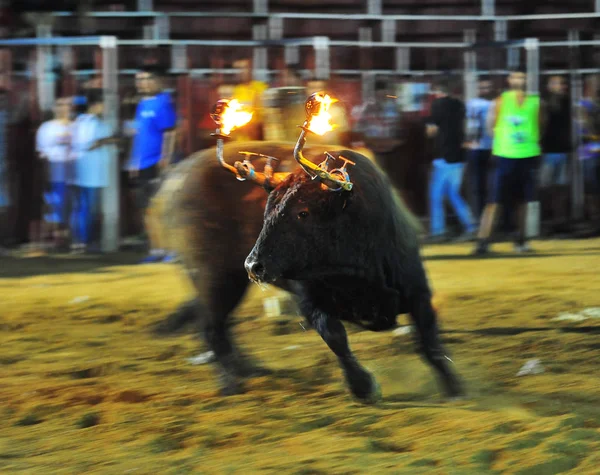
<point>210,219</point>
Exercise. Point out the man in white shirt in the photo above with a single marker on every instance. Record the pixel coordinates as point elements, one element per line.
<point>53,143</point>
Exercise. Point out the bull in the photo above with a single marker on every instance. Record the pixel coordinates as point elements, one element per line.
<point>348,249</point>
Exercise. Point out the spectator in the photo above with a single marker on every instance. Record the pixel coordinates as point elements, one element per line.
<point>589,154</point>
<point>480,145</point>
<point>5,201</point>
<point>249,93</point>
<point>53,142</point>
<point>556,146</point>
<point>447,124</point>
<point>153,144</point>
<point>90,148</point>
<point>378,123</point>
<point>516,122</point>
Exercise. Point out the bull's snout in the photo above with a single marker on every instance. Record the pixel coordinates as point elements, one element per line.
<point>256,271</point>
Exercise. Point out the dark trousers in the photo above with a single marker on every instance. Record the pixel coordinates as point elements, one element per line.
<point>480,165</point>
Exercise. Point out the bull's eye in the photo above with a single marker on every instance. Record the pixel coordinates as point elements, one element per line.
<point>303,214</point>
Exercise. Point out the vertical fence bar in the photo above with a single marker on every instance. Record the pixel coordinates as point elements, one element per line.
<point>470,65</point>
<point>533,87</point>
<point>111,195</point>
<point>322,57</point>
<point>45,75</point>
<point>577,185</point>
<point>260,61</point>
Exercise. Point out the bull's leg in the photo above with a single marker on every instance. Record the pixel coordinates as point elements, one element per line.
<point>187,313</point>
<point>362,384</point>
<point>425,320</point>
<point>224,296</point>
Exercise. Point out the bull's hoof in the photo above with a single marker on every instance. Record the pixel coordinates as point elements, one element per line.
<point>367,391</point>
<point>232,389</point>
<point>230,386</point>
<point>453,389</point>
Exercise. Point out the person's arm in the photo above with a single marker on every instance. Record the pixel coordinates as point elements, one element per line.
<point>542,117</point>
<point>40,142</point>
<point>167,121</point>
<point>492,117</point>
<point>434,120</point>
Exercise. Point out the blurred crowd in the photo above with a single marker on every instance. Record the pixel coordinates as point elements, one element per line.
<point>503,149</point>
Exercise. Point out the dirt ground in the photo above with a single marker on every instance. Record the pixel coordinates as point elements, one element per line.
<point>86,388</point>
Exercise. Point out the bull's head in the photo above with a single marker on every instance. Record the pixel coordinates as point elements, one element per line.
<point>306,229</point>
<point>228,116</point>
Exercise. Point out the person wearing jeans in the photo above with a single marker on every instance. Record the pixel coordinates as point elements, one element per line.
<point>91,141</point>
<point>446,124</point>
<point>480,146</point>
<point>446,180</point>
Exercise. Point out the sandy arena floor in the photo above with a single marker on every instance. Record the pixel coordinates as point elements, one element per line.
<point>86,388</point>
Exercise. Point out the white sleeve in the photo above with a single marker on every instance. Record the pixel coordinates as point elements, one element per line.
<point>41,138</point>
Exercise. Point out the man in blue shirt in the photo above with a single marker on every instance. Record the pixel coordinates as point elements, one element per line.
<point>480,142</point>
<point>153,144</point>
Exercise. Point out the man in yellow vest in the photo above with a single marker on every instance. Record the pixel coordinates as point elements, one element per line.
<point>515,120</point>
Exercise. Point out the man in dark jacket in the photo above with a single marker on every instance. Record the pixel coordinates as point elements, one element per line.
<point>556,147</point>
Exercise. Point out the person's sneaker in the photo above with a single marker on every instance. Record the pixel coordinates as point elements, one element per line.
<point>77,248</point>
<point>169,258</point>
<point>152,259</point>
<point>522,247</point>
<point>481,248</point>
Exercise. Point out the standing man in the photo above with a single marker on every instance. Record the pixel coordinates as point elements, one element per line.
<point>516,122</point>
<point>447,125</point>
<point>556,147</point>
<point>91,140</point>
<point>153,144</point>
<point>480,145</point>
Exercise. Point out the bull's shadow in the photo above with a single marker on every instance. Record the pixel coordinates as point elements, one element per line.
<point>500,255</point>
<point>22,267</point>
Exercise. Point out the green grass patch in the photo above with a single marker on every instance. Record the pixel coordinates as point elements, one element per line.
<point>506,428</point>
<point>574,449</point>
<point>30,419</point>
<point>485,458</point>
<point>90,419</point>
<point>576,422</point>
<point>380,445</point>
<point>314,424</point>
<point>424,463</point>
<point>165,443</point>
<point>583,434</point>
<point>533,440</point>
<point>551,467</point>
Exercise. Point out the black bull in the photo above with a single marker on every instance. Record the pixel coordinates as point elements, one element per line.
<point>360,255</point>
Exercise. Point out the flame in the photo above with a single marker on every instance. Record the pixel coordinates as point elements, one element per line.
<point>320,123</point>
<point>234,117</point>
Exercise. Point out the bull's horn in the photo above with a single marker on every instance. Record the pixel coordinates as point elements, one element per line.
<point>335,180</point>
